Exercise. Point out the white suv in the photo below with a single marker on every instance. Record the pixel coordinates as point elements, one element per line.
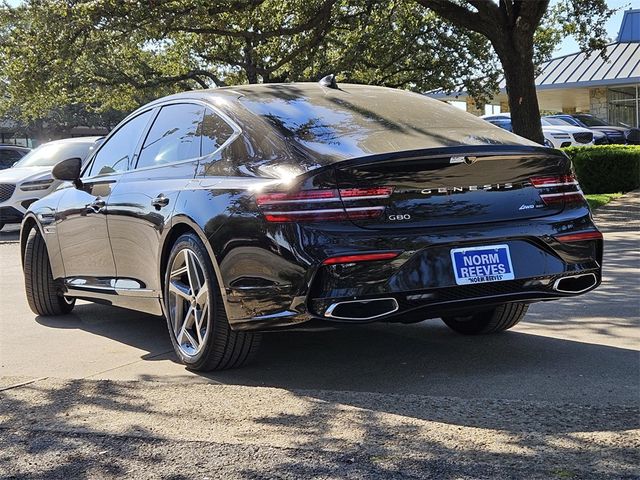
<point>30,179</point>
<point>555,136</point>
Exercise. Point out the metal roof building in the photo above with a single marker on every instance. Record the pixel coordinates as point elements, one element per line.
<point>587,82</point>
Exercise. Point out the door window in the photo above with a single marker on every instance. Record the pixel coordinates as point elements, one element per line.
<point>116,153</point>
<point>215,131</point>
<point>174,136</point>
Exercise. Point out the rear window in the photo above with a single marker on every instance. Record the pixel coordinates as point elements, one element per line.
<point>356,121</point>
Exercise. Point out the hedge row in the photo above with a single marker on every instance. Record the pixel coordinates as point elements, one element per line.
<point>606,168</point>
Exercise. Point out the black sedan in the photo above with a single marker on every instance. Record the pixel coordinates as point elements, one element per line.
<point>239,210</point>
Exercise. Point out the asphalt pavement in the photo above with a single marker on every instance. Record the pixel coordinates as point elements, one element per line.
<point>98,393</point>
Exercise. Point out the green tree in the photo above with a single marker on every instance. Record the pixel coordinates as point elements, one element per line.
<point>511,27</point>
<point>108,55</point>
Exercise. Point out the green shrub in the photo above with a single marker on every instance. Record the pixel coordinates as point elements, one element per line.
<point>606,168</point>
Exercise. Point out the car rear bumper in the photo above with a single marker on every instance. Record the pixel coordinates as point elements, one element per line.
<point>416,285</point>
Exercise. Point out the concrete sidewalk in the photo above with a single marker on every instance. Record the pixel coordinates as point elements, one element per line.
<point>557,397</point>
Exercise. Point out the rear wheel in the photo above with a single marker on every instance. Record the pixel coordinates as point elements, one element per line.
<point>196,316</point>
<point>495,320</point>
<point>44,294</point>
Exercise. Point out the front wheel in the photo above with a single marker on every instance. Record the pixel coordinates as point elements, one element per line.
<point>44,294</point>
<point>495,320</point>
<point>196,317</point>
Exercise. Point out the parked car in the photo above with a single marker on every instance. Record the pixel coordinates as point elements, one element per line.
<point>30,178</point>
<point>599,138</point>
<point>555,136</point>
<point>10,154</point>
<point>614,134</point>
<point>238,210</point>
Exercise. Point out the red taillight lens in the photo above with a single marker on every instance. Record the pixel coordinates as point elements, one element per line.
<point>553,181</point>
<point>297,197</point>
<point>579,237</point>
<point>361,257</point>
<point>321,204</point>
<point>365,193</point>
<point>558,189</point>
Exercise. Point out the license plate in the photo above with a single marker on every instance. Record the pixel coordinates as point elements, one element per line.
<point>482,264</point>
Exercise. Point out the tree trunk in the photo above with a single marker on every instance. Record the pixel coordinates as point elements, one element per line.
<point>519,74</point>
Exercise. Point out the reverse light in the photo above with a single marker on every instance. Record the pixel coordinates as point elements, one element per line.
<point>361,257</point>
<point>558,189</point>
<point>322,204</point>
<point>579,237</point>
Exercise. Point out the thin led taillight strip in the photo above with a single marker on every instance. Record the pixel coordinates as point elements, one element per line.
<point>315,196</point>
<point>550,185</point>
<point>306,196</point>
<point>553,181</point>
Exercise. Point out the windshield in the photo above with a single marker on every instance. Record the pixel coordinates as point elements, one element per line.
<point>48,154</point>
<point>591,121</point>
<point>555,121</point>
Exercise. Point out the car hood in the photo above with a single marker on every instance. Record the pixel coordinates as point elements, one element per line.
<point>554,130</point>
<point>567,129</point>
<point>23,174</point>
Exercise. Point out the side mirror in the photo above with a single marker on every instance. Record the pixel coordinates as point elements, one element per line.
<point>68,170</point>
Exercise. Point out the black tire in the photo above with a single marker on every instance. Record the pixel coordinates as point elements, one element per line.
<point>44,294</point>
<point>496,320</point>
<point>223,347</point>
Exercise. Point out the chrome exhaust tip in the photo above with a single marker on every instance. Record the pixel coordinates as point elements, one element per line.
<point>575,283</point>
<point>362,309</point>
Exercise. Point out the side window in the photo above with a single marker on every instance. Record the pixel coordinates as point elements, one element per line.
<point>215,131</point>
<point>174,136</point>
<point>115,154</point>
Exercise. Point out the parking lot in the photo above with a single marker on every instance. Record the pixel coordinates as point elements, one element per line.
<point>98,392</point>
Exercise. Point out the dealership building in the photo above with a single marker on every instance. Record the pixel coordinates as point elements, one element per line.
<point>583,82</point>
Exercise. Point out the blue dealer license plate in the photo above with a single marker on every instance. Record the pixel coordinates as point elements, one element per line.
<point>482,264</point>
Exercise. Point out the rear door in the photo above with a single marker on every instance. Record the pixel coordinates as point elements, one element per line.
<point>141,204</point>
<point>455,189</point>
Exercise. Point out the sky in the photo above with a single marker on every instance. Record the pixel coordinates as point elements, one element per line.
<point>569,45</point>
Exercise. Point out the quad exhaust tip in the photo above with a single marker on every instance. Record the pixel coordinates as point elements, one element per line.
<point>362,309</point>
<point>576,283</point>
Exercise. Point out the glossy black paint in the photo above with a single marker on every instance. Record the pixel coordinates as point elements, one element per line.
<point>109,236</point>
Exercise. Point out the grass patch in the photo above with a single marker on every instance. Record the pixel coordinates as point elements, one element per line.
<point>596,200</point>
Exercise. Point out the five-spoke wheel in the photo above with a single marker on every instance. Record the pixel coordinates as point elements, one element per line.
<point>188,302</point>
<point>196,316</point>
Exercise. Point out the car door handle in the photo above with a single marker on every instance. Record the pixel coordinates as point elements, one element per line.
<point>160,201</point>
<point>97,205</point>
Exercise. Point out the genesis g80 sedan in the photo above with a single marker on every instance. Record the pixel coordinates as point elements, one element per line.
<point>239,210</point>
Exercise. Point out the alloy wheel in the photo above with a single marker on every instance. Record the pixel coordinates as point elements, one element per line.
<point>188,302</point>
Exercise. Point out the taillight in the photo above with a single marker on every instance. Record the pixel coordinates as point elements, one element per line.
<point>579,237</point>
<point>322,204</point>
<point>558,189</point>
